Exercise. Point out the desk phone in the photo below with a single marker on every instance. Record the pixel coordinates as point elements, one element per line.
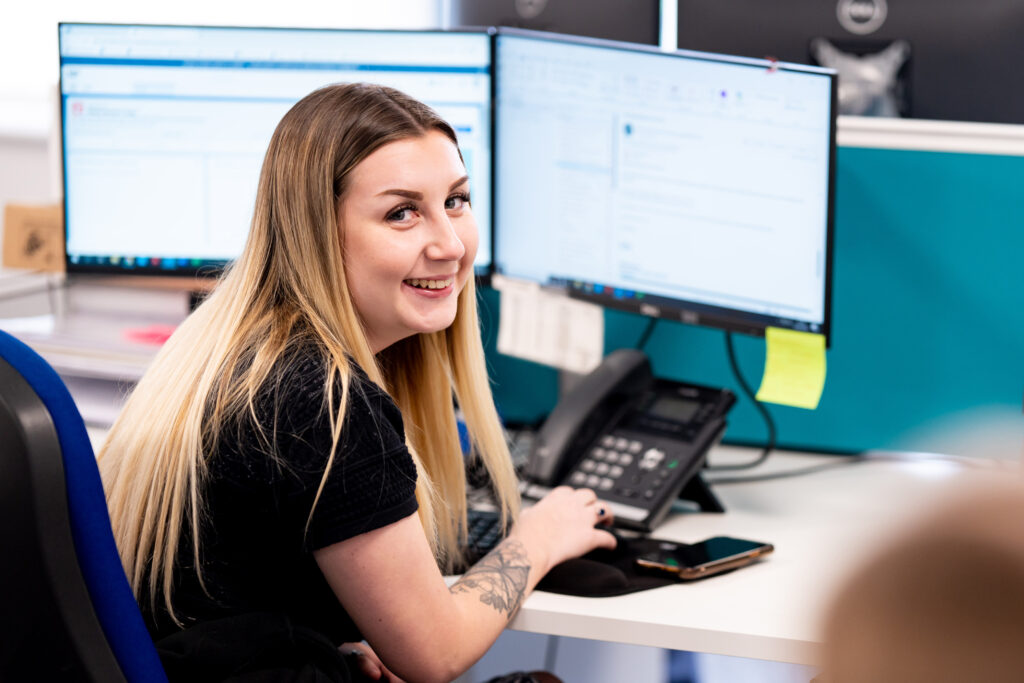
<point>635,439</point>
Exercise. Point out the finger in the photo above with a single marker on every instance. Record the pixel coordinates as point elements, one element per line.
<point>366,663</point>
<point>588,495</point>
<point>604,512</point>
<point>369,668</point>
<point>606,539</point>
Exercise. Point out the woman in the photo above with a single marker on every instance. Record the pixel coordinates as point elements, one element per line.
<point>291,464</point>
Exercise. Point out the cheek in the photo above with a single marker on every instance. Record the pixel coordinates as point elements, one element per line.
<point>360,273</point>
<point>367,256</point>
<point>356,291</point>
<point>470,240</point>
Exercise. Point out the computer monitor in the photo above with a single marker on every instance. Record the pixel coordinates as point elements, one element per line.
<point>165,128</point>
<point>963,56</point>
<point>687,186</point>
<point>636,21</point>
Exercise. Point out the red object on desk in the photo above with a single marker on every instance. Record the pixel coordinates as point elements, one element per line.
<point>154,335</point>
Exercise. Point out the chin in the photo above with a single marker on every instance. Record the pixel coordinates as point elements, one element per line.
<point>433,319</point>
<point>439,327</point>
<point>436,325</point>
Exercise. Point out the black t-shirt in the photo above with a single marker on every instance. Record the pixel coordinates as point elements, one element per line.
<point>256,551</point>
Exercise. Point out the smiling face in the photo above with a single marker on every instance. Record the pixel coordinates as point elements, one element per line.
<point>409,237</point>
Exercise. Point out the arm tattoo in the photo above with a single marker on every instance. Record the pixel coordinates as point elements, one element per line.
<point>500,577</point>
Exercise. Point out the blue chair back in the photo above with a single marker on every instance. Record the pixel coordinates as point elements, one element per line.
<point>71,613</point>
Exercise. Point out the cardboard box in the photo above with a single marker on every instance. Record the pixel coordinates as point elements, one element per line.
<point>34,237</point>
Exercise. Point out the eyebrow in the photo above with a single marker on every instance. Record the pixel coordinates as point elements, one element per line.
<point>418,196</point>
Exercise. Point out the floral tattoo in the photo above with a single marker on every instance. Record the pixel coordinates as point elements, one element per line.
<point>500,577</point>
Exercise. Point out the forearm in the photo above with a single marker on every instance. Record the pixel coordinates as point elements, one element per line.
<point>483,601</point>
<point>490,593</point>
<point>492,590</point>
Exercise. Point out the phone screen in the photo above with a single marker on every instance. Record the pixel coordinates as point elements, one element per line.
<point>711,550</point>
<point>705,558</point>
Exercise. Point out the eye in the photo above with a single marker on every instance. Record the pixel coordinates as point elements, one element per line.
<point>457,201</point>
<point>401,214</point>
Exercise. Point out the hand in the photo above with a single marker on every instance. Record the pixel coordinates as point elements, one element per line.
<point>563,523</point>
<point>368,661</point>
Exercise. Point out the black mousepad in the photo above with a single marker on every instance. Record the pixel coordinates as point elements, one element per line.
<point>604,573</point>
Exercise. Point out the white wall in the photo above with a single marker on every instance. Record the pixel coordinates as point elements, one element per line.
<point>25,174</point>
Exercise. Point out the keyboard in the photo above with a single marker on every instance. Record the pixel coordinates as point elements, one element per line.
<point>484,521</point>
<point>485,532</point>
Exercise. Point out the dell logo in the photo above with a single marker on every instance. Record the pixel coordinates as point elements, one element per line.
<point>861,16</point>
<point>529,9</point>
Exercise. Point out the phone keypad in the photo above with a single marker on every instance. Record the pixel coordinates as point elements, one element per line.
<point>625,469</point>
<point>612,457</point>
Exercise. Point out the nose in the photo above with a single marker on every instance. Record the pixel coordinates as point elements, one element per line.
<point>445,244</point>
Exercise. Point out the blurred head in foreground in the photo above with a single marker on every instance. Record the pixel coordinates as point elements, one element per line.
<point>943,602</point>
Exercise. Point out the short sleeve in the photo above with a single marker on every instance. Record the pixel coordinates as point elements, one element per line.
<point>372,479</point>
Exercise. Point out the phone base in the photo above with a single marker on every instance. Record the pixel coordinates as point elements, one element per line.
<point>698,491</point>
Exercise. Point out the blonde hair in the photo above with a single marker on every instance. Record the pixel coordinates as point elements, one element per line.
<point>289,286</point>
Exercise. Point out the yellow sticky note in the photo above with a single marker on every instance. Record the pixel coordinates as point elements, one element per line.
<point>794,368</point>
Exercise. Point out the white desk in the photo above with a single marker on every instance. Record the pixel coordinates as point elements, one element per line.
<point>820,523</point>
<point>94,335</point>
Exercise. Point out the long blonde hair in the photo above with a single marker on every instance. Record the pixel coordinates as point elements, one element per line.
<point>289,285</point>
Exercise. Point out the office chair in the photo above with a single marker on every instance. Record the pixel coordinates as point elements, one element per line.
<point>67,612</point>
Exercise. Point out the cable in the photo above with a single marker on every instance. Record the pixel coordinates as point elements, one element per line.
<point>770,445</point>
<point>646,334</point>
<point>51,294</point>
<point>48,287</point>
<point>854,459</point>
<point>798,472</point>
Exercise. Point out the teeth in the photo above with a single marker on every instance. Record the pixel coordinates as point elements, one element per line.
<point>430,284</point>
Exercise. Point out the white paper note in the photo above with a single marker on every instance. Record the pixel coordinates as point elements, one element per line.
<point>548,327</point>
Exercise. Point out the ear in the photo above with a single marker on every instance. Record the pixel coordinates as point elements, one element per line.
<point>824,52</point>
<point>893,56</point>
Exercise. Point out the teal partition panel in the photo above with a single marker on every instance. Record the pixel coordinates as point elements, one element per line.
<point>928,310</point>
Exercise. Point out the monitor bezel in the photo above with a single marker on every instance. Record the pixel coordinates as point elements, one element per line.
<point>692,313</point>
<point>205,271</point>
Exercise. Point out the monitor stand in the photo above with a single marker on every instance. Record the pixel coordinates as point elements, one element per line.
<point>698,491</point>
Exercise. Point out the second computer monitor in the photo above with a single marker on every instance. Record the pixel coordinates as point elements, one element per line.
<point>682,185</point>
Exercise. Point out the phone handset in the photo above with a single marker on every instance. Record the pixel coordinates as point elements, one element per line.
<point>586,411</point>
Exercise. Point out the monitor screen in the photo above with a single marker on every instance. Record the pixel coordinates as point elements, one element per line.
<point>689,186</point>
<point>165,128</point>
<point>959,61</point>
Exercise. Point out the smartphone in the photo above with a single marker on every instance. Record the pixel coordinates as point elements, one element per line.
<point>707,558</point>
